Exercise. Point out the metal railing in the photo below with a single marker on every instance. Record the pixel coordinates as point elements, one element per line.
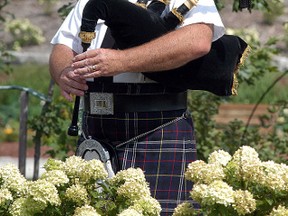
<point>24,105</point>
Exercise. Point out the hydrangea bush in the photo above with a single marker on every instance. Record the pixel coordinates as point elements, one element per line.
<point>240,184</point>
<point>24,33</point>
<point>76,187</point>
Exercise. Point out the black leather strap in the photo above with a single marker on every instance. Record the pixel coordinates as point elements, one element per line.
<point>145,102</point>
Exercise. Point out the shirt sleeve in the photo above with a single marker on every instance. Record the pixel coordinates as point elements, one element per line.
<point>68,32</point>
<point>204,12</point>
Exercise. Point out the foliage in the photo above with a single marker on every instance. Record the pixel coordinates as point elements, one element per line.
<point>204,106</point>
<point>48,5</point>
<point>240,184</point>
<point>65,9</point>
<point>27,75</point>
<point>5,57</point>
<point>260,60</point>
<point>76,187</point>
<point>24,33</point>
<point>52,124</point>
<point>285,36</point>
<point>276,9</point>
<point>276,93</point>
<point>3,4</point>
<point>255,4</point>
<point>211,137</point>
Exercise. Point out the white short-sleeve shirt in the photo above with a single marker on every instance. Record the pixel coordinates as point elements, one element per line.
<point>67,34</point>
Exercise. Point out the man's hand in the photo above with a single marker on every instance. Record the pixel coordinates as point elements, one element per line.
<point>97,63</point>
<point>62,73</point>
<point>71,84</point>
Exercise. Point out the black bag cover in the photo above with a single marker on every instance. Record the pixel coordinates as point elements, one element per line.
<point>214,72</point>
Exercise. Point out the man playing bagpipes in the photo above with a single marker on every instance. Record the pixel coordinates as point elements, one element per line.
<point>127,107</point>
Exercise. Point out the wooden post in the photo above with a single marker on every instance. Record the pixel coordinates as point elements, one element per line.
<point>23,131</point>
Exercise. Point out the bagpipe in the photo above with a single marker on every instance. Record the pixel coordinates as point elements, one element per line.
<point>134,24</point>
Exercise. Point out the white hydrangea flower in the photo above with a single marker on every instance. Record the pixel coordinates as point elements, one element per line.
<point>130,212</point>
<point>218,192</point>
<point>93,170</point>
<point>12,179</point>
<point>244,202</point>
<point>25,207</point>
<point>201,172</point>
<point>246,153</point>
<point>194,171</point>
<point>281,120</point>
<point>44,192</point>
<point>5,195</point>
<point>53,164</point>
<point>184,209</point>
<point>245,164</point>
<point>279,211</point>
<point>219,157</point>
<point>78,194</point>
<point>133,190</point>
<point>198,192</point>
<point>130,174</point>
<point>285,111</point>
<point>73,166</point>
<point>86,210</point>
<point>147,206</point>
<point>274,176</point>
<point>56,177</point>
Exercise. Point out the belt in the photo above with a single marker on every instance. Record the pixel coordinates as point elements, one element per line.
<point>98,103</point>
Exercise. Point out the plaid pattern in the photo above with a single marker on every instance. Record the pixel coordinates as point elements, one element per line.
<point>162,154</point>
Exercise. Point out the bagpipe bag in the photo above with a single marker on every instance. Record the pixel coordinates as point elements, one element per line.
<point>132,25</point>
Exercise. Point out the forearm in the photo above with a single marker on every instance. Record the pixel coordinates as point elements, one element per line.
<point>169,51</point>
<point>60,60</point>
<point>62,72</point>
<point>164,53</point>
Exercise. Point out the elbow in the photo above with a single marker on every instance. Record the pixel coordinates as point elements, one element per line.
<point>198,50</point>
<point>203,48</point>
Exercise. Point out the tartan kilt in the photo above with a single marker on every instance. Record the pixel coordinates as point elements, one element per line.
<point>162,144</point>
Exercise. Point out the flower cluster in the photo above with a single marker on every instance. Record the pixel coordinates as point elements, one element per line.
<point>24,33</point>
<point>240,184</point>
<point>76,187</point>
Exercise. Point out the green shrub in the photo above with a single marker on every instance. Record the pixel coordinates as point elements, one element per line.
<point>276,9</point>
<point>24,33</point>
<point>48,5</point>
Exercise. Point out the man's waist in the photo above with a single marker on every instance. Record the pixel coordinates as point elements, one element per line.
<point>103,103</point>
<point>105,84</point>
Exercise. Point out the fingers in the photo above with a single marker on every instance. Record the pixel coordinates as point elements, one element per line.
<point>66,95</point>
<point>96,63</point>
<point>84,59</point>
<point>85,64</point>
<point>81,56</point>
<point>71,85</point>
<point>88,71</point>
